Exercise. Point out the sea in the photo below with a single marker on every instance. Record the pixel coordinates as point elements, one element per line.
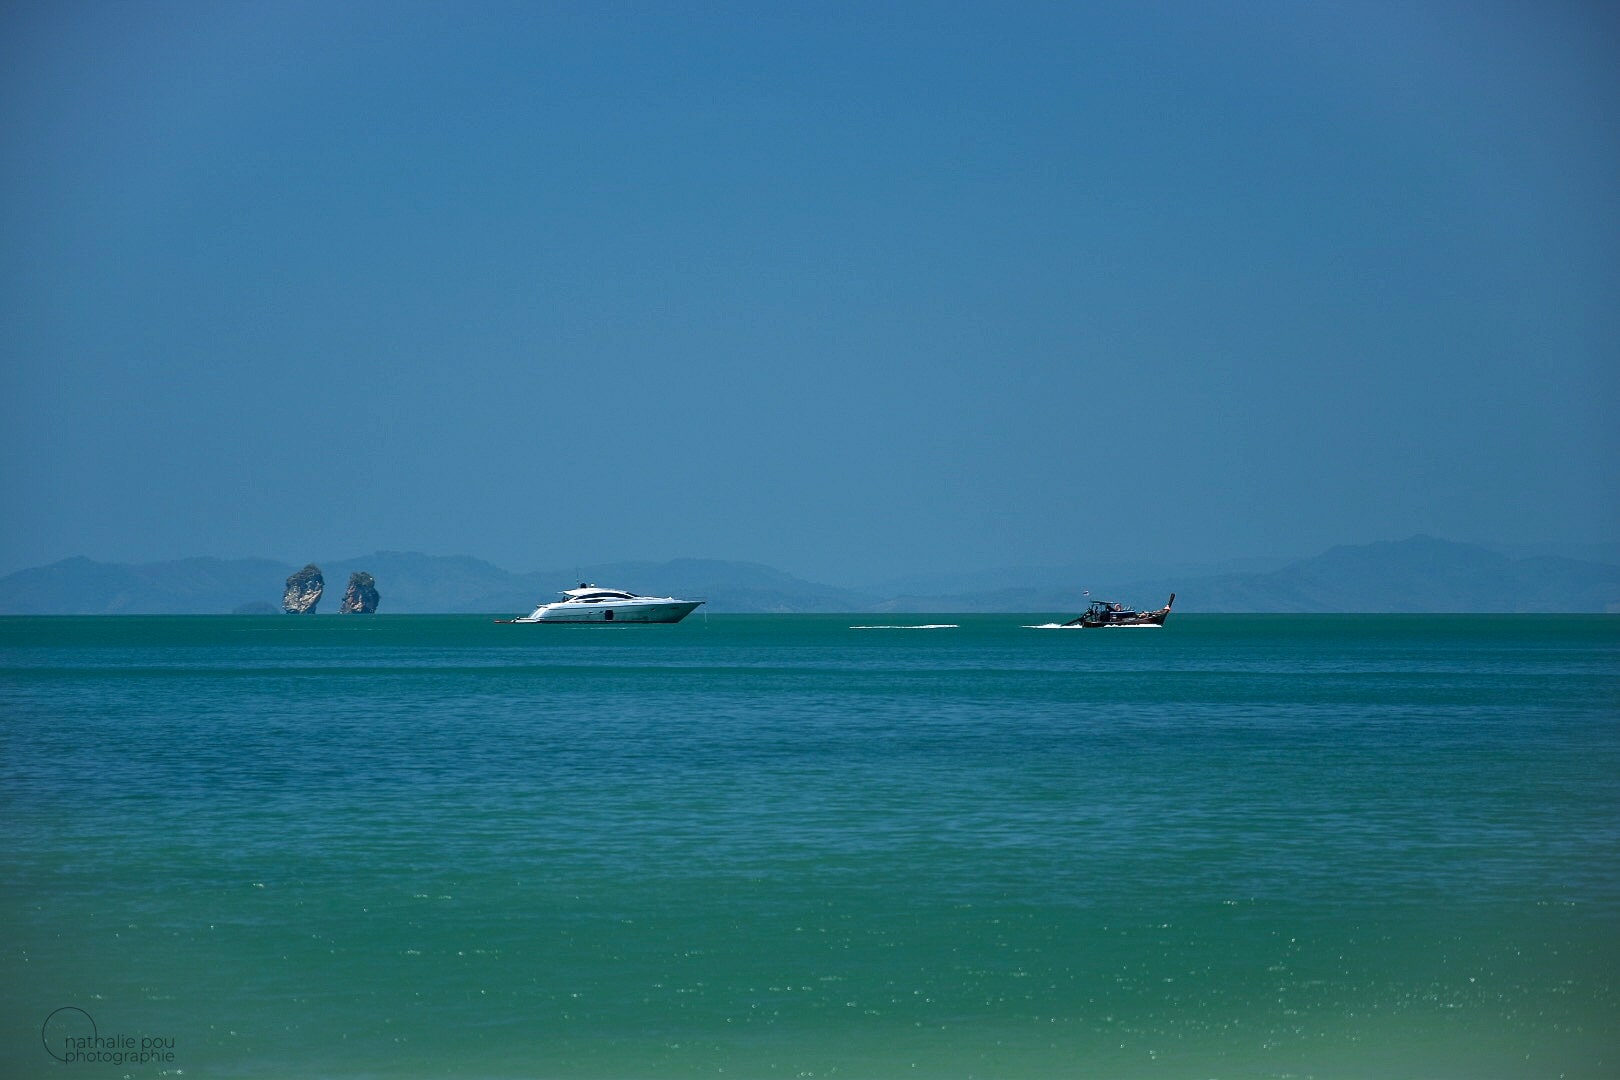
<point>977,846</point>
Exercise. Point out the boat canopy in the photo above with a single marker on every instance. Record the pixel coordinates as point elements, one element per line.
<point>591,592</point>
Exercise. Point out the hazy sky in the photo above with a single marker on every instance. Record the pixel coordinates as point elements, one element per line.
<point>854,290</point>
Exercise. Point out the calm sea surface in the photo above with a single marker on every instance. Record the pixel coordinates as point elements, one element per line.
<point>402,846</point>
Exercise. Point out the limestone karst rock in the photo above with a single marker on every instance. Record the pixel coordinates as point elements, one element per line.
<point>361,596</point>
<point>304,589</point>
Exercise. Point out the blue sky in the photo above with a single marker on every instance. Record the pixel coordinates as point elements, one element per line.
<point>853,290</point>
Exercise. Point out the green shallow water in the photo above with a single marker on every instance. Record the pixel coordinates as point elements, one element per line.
<point>400,846</point>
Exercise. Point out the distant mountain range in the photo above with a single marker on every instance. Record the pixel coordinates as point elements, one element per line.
<point>1420,574</point>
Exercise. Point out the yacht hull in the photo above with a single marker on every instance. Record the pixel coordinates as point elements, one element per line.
<point>671,612</point>
<point>591,604</point>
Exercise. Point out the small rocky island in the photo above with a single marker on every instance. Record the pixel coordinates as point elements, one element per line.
<point>304,588</point>
<point>361,597</point>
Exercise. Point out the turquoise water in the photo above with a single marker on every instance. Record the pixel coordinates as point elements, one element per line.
<point>401,846</point>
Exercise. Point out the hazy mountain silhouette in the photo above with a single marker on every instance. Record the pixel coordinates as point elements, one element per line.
<point>1414,575</point>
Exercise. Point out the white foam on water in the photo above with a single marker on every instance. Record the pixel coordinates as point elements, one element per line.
<point>912,626</point>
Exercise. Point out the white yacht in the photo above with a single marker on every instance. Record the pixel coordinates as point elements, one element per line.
<point>589,604</point>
